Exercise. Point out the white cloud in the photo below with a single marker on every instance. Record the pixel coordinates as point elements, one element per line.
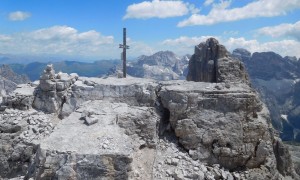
<point>282,30</point>
<point>68,41</point>
<point>283,47</point>
<point>69,34</point>
<point>18,16</point>
<point>59,40</point>
<point>159,9</point>
<point>260,8</point>
<point>184,45</point>
<point>185,41</point>
<point>208,2</point>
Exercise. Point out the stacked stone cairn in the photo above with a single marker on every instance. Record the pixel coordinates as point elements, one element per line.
<point>53,90</point>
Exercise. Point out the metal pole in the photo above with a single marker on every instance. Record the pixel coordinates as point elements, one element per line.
<point>123,57</point>
<point>124,52</point>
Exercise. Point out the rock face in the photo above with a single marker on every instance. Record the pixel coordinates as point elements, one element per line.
<point>277,81</point>
<point>6,86</point>
<point>9,81</point>
<point>138,128</point>
<point>211,63</point>
<point>7,73</point>
<point>20,132</point>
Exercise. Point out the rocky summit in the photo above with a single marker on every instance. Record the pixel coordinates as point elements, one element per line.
<point>211,62</point>
<point>70,127</point>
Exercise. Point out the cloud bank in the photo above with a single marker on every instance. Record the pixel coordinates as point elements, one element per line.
<point>58,40</point>
<point>282,30</point>
<point>222,13</point>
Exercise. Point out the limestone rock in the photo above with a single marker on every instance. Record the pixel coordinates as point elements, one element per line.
<point>21,98</point>
<point>52,92</point>
<point>101,150</point>
<point>7,73</point>
<point>211,63</point>
<point>20,132</point>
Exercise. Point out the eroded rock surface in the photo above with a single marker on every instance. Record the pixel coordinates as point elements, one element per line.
<point>102,150</point>
<point>229,127</point>
<point>20,132</point>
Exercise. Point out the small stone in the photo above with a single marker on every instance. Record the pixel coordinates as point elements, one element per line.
<point>175,161</point>
<point>169,172</point>
<point>236,175</point>
<point>229,177</point>
<point>218,87</point>
<point>84,115</point>
<point>203,168</point>
<point>227,85</point>
<point>34,130</point>
<point>91,120</point>
<point>169,161</point>
<point>178,174</point>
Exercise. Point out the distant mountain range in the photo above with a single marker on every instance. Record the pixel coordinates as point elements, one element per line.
<point>25,59</point>
<point>98,68</point>
<point>163,65</point>
<point>277,79</point>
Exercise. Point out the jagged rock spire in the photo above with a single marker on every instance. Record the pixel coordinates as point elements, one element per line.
<point>211,62</point>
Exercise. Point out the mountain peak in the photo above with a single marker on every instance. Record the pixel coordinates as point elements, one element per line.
<point>9,74</point>
<point>211,63</point>
<point>161,58</point>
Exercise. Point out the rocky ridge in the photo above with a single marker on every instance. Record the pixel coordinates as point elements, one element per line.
<point>7,73</point>
<point>144,130</point>
<point>9,81</point>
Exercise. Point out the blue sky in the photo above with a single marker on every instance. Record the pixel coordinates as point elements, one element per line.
<point>93,29</point>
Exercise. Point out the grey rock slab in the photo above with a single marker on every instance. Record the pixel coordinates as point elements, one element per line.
<point>106,141</point>
<point>24,89</point>
<point>86,139</point>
